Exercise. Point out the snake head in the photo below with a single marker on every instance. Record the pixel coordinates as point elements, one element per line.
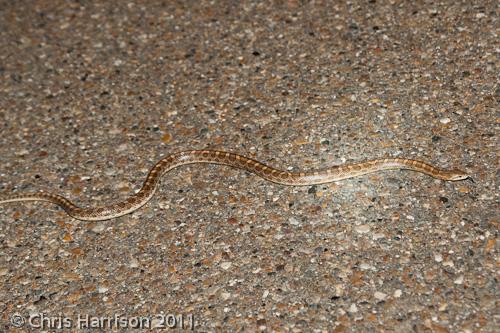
<point>455,175</point>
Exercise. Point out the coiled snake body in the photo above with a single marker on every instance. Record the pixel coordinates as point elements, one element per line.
<point>225,158</point>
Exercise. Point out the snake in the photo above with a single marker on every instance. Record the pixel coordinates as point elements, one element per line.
<point>260,169</point>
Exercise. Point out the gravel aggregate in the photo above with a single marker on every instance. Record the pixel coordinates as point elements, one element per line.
<point>93,93</point>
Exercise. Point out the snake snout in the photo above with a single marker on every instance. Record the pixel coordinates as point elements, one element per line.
<point>458,175</point>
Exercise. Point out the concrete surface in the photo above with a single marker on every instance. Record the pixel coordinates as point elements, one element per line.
<point>93,93</point>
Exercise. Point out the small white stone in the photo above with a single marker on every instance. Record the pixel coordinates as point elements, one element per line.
<point>448,263</point>
<point>353,308</point>
<point>123,147</point>
<point>445,120</point>
<point>21,152</point>
<point>99,227</point>
<point>362,229</point>
<point>249,212</point>
<point>225,295</point>
<point>265,294</point>
<point>156,323</point>
<point>226,264</point>
<point>438,257</point>
<point>163,205</point>
<point>293,221</point>
<point>485,197</point>
<point>364,266</point>
<point>459,280</point>
<point>380,296</point>
<point>133,263</point>
<point>398,293</point>
<point>102,290</point>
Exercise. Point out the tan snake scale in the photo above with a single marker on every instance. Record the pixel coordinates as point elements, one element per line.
<point>225,158</point>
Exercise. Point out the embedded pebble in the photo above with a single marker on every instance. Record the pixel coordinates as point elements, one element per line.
<point>102,290</point>
<point>365,266</point>
<point>98,227</point>
<point>459,280</point>
<point>380,296</point>
<point>377,236</point>
<point>225,295</point>
<point>362,229</point>
<point>134,263</point>
<point>225,265</point>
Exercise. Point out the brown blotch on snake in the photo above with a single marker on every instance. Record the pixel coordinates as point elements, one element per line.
<point>237,161</point>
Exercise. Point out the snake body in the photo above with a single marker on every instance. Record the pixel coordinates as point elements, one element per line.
<point>175,160</point>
